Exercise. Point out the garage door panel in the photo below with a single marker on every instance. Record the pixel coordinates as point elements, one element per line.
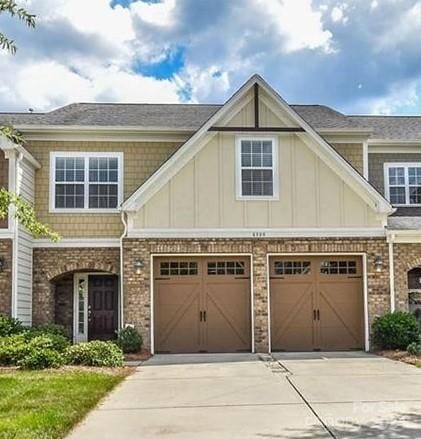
<point>176,319</point>
<point>203,301</point>
<point>316,303</point>
<point>341,320</point>
<point>291,315</point>
<point>228,316</point>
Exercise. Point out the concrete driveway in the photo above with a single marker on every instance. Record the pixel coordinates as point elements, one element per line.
<point>240,396</point>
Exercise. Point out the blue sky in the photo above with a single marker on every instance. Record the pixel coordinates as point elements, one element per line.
<point>359,56</point>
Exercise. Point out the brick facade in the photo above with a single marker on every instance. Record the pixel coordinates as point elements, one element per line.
<point>50,264</point>
<point>6,251</point>
<point>137,303</point>
<point>406,257</point>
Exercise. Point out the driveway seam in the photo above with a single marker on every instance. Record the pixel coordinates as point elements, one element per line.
<point>287,374</point>
<point>275,404</point>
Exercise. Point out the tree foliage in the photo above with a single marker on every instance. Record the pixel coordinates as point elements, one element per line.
<point>23,211</point>
<point>11,8</point>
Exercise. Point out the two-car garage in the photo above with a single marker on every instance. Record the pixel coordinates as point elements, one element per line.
<point>205,303</point>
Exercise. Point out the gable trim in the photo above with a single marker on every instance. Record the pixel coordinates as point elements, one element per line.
<point>202,136</point>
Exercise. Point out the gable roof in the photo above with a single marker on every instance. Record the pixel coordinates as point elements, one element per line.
<point>190,117</point>
<point>193,145</point>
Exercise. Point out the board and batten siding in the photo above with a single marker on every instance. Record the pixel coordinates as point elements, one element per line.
<point>203,194</point>
<point>23,247</point>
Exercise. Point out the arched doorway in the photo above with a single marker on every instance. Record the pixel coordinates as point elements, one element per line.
<point>414,291</point>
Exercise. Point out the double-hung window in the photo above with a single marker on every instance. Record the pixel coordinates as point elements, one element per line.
<point>257,168</point>
<point>85,181</point>
<point>403,183</point>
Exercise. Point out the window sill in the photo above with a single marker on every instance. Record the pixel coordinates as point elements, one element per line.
<point>263,198</point>
<point>86,211</point>
<point>406,205</point>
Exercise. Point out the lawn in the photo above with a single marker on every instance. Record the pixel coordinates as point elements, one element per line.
<point>47,404</point>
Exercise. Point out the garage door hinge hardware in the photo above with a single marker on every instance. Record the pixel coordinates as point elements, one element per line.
<point>316,314</point>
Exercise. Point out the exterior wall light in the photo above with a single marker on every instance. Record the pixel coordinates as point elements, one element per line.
<point>138,265</point>
<point>378,264</point>
<point>2,263</point>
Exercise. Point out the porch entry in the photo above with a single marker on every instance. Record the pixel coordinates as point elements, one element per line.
<point>95,306</point>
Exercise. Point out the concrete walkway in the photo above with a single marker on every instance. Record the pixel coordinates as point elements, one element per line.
<point>240,396</point>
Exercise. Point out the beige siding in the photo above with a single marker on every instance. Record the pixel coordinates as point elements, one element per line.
<point>353,153</point>
<point>4,180</point>
<point>140,161</point>
<point>203,195</point>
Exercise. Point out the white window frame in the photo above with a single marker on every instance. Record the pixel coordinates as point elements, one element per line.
<point>275,164</point>
<point>404,165</point>
<point>86,156</point>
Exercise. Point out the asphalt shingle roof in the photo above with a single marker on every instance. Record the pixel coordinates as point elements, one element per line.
<point>192,116</point>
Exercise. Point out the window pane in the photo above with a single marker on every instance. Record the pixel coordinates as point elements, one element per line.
<point>246,160</point>
<point>256,147</point>
<point>70,169</point>
<point>415,195</point>
<point>103,196</point>
<point>246,147</point>
<point>414,176</point>
<point>397,195</point>
<point>69,196</point>
<point>396,176</point>
<point>267,160</point>
<point>257,182</point>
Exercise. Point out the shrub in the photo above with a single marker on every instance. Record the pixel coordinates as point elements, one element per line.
<point>10,326</point>
<point>32,352</point>
<point>12,349</point>
<point>395,330</point>
<point>58,342</point>
<point>95,353</point>
<point>51,329</point>
<point>41,359</point>
<point>129,340</point>
<point>414,348</point>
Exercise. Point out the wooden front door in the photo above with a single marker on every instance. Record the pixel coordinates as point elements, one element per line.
<point>102,307</point>
<point>202,304</point>
<point>316,303</point>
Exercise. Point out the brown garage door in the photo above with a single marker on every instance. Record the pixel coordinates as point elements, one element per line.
<point>202,304</point>
<point>316,303</point>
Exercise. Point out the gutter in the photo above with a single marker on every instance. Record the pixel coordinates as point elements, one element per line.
<point>123,220</point>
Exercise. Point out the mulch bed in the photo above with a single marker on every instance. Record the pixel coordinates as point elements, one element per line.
<point>143,355</point>
<point>403,356</point>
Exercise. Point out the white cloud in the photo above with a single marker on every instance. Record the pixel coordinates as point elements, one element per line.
<point>406,27</point>
<point>155,13</point>
<point>338,14</point>
<point>298,24</point>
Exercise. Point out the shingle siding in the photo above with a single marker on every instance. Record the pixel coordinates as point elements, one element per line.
<point>140,161</point>
<point>376,163</point>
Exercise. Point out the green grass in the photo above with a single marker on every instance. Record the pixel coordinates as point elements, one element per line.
<point>47,404</point>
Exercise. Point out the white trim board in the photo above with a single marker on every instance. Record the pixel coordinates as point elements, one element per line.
<point>258,233</point>
<point>309,254</point>
<point>86,183</point>
<point>77,243</point>
<point>312,139</point>
<point>201,255</point>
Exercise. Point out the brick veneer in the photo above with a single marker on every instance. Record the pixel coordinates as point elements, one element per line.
<point>406,257</point>
<point>6,250</point>
<point>137,304</point>
<point>50,264</point>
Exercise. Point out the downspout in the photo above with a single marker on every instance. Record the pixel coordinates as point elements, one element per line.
<point>390,239</point>
<point>15,231</point>
<point>123,220</point>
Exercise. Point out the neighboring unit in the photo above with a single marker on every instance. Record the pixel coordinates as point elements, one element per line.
<point>249,226</point>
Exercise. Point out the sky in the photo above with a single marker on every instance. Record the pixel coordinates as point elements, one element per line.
<point>358,56</point>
